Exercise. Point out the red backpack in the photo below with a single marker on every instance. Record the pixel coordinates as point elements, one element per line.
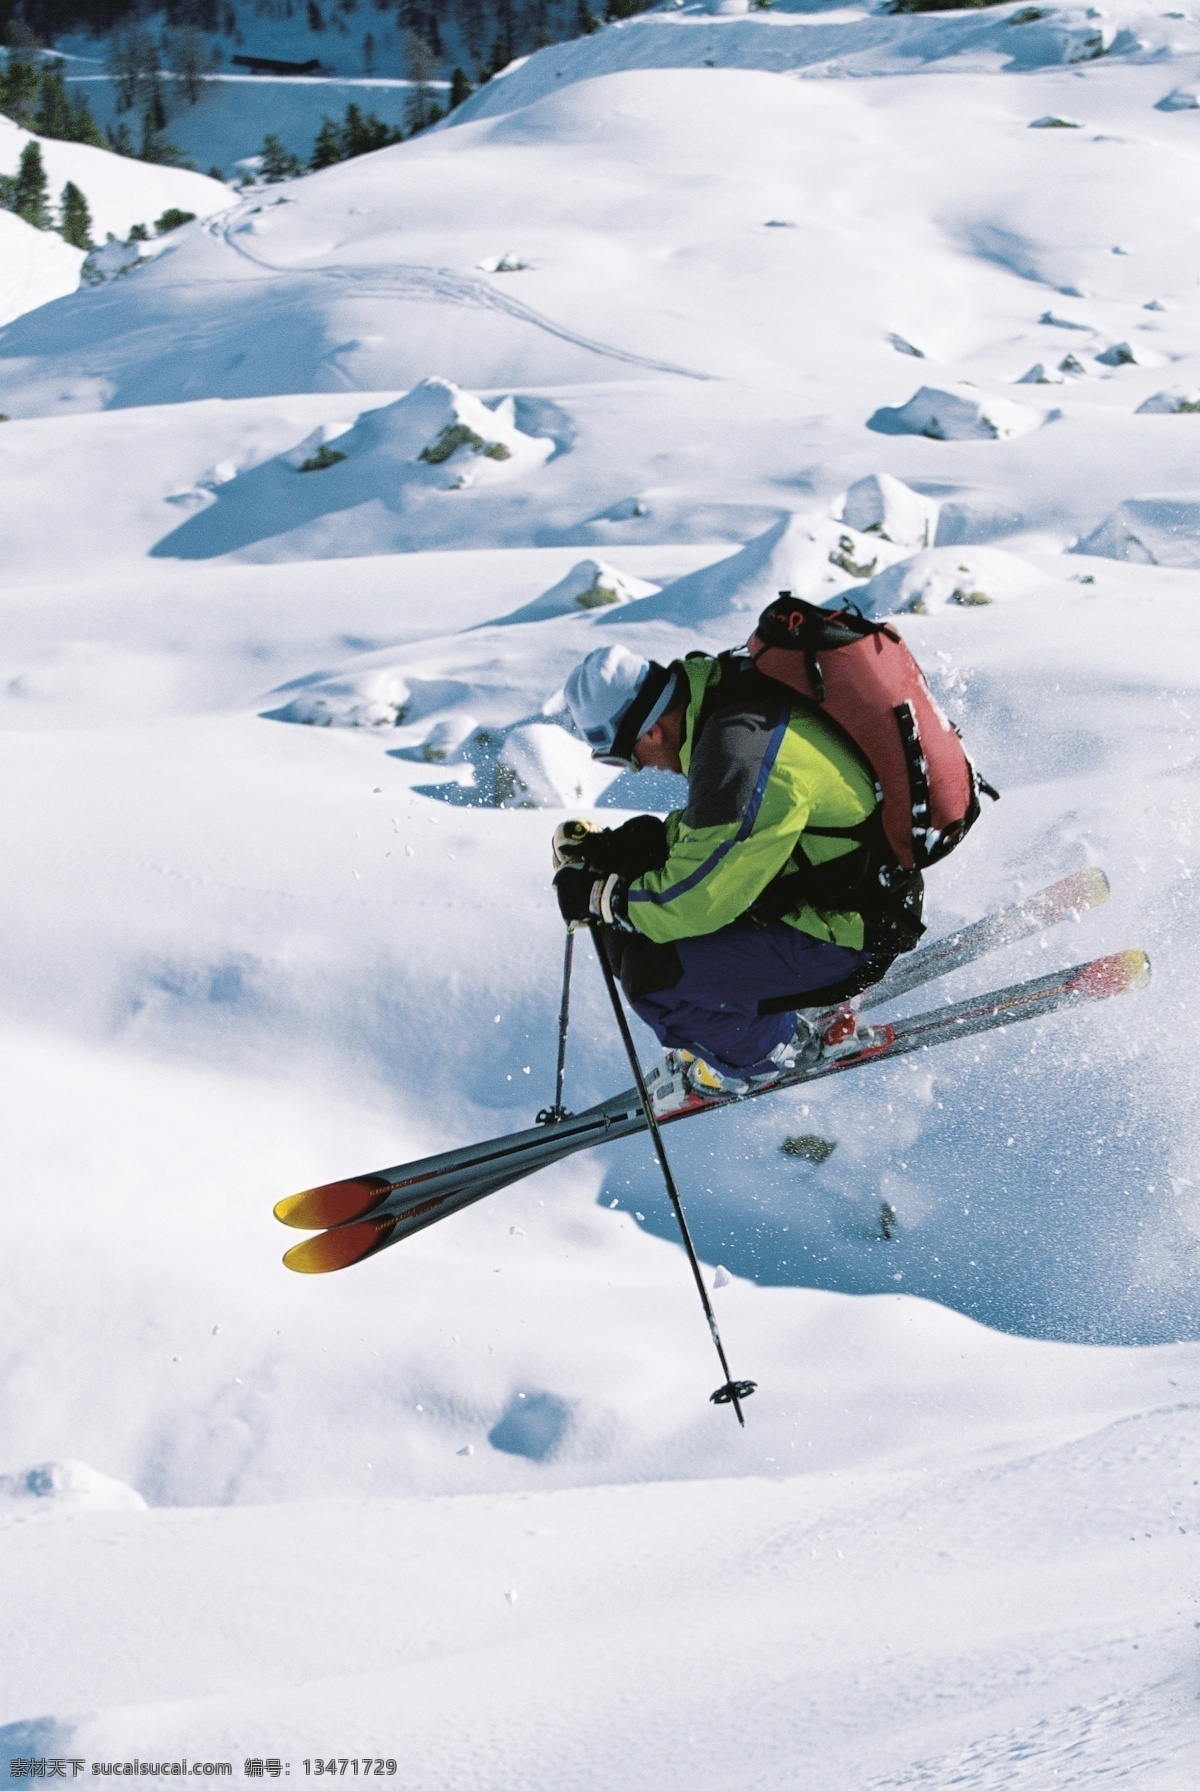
<point>863,678</point>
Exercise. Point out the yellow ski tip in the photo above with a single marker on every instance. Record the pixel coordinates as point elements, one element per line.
<point>339,1249</point>
<point>336,1203</point>
<point>1094,887</point>
<point>1119,974</point>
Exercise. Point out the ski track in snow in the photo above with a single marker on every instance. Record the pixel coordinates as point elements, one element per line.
<point>447,287</point>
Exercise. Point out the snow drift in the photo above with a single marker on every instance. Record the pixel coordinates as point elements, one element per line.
<point>1150,531</point>
<point>954,417</point>
<point>338,489</point>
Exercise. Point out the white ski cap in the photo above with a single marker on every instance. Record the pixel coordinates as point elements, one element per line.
<point>603,693</point>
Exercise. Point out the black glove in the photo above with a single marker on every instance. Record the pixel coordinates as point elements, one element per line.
<point>570,843</point>
<point>582,896</point>
<point>638,846</point>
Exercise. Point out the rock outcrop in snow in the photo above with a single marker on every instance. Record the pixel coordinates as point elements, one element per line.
<point>812,555</point>
<point>1041,375</point>
<point>883,506</point>
<point>1150,531</point>
<point>344,491</point>
<point>592,584</point>
<point>1171,402</point>
<point>961,416</point>
<point>961,577</point>
<point>436,435</point>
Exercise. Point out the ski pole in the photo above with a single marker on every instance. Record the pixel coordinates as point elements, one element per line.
<point>733,1392</point>
<point>551,1115</point>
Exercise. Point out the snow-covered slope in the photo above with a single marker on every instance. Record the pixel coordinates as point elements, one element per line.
<point>35,267</point>
<point>120,191</point>
<point>467,1506</point>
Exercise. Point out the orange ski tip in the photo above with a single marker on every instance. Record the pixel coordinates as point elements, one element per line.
<point>338,1249</point>
<point>334,1204</point>
<point>1114,975</point>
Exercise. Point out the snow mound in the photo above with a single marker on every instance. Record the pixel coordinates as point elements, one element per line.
<point>960,577</point>
<point>382,698</point>
<point>1180,99</point>
<point>345,491</point>
<point>439,435</point>
<point>540,765</point>
<point>36,266</point>
<point>592,584</point>
<point>954,417</point>
<point>1041,375</point>
<point>71,1483</point>
<point>113,259</point>
<point>1149,531</point>
<point>1128,354</point>
<point>1170,402</point>
<point>883,506</point>
<point>812,555</point>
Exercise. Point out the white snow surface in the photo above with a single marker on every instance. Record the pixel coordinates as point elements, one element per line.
<point>467,1506</point>
<point>35,266</point>
<point>120,192</point>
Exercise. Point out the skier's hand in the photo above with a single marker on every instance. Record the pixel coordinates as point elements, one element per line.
<point>638,846</point>
<point>582,896</point>
<point>571,841</point>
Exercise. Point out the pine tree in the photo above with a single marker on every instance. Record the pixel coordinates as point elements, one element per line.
<point>460,88</point>
<point>118,139</point>
<point>84,128</point>
<point>20,80</point>
<point>31,195</point>
<point>75,220</point>
<point>363,132</point>
<point>585,22</point>
<point>155,147</point>
<point>55,115</point>
<point>329,147</point>
<point>189,60</point>
<point>277,162</point>
<point>172,219</point>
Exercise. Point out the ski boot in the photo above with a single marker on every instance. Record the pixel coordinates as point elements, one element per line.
<point>843,1036</point>
<point>682,1080</point>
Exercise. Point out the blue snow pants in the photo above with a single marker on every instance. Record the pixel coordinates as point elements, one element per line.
<point>713,1009</point>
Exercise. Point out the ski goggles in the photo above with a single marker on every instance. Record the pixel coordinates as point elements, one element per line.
<point>654,697</point>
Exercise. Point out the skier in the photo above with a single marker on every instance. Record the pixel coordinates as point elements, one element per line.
<point>772,891</point>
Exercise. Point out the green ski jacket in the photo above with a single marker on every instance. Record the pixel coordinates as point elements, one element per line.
<point>762,771</point>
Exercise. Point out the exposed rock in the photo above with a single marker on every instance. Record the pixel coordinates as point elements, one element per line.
<point>1041,375</point>
<point>590,584</point>
<point>884,506</point>
<point>1171,402</point>
<point>955,417</point>
<point>959,577</point>
<point>1150,532</point>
